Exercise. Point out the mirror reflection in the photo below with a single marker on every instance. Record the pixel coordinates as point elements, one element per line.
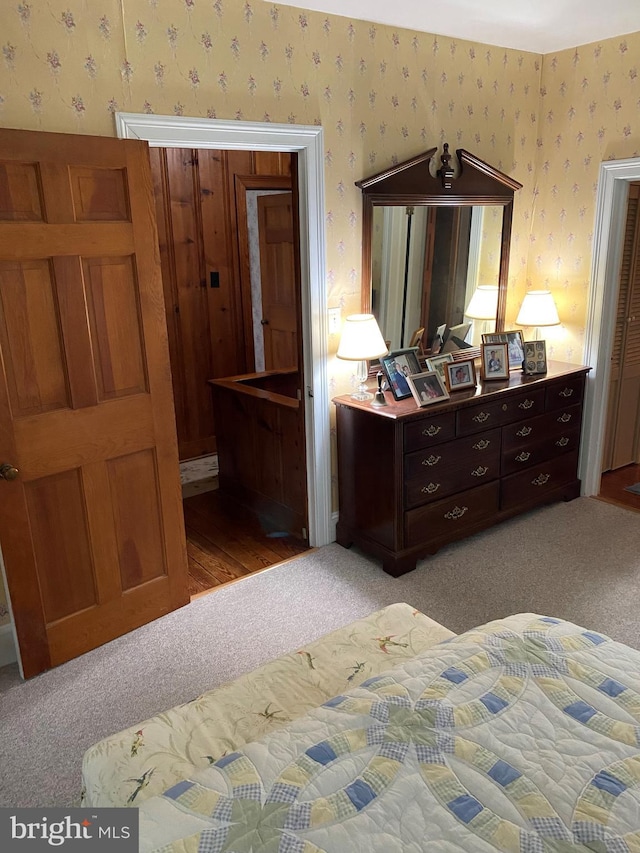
<point>438,268</point>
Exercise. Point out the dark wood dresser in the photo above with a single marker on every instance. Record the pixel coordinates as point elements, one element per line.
<point>413,479</point>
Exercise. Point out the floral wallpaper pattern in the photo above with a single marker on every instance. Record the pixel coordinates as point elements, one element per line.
<point>382,94</point>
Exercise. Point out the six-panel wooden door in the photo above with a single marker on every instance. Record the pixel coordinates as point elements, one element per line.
<point>91,523</point>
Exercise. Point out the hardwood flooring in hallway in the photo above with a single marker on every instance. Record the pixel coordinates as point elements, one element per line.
<point>226,541</point>
<point>613,487</point>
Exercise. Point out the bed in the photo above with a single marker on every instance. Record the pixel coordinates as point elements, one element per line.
<point>145,759</point>
<point>520,735</point>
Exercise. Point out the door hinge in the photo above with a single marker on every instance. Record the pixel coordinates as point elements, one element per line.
<point>309,391</point>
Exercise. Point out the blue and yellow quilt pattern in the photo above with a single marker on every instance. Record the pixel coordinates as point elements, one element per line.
<point>521,736</point>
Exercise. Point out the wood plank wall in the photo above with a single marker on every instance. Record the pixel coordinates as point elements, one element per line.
<point>196,209</point>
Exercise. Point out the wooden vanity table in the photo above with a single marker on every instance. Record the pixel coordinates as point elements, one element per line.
<point>413,479</point>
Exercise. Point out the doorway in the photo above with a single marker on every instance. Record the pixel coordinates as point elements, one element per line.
<point>611,207</point>
<point>620,481</point>
<point>227,237</point>
<point>307,142</point>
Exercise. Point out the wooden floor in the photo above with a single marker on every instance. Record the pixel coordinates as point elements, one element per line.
<point>614,483</point>
<point>225,541</point>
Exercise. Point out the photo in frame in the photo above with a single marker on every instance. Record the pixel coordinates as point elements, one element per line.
<point>438,362</point>
<point>535,357</point>
<point>398,365</point>
<point>515,345</point>
<point>460,375</point>
<point>495,361</point>
<point>427,388</point>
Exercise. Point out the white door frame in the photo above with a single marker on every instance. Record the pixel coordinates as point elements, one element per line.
<point>608,236</point>
<point>307,142</point>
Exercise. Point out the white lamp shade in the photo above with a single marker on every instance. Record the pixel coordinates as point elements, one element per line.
<point>484,303</point>
<point>538,309</point>
<point>361,339</point>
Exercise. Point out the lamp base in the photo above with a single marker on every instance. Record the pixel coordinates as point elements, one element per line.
<point>362,375</point>
<point>362,394</point>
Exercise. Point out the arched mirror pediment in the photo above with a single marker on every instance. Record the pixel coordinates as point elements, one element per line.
<point>432,234</point>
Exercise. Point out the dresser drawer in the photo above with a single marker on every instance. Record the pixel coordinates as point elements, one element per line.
<point>443,519</point>
<point>504,411</point>
<point>454,466</point>
<point>564,393</point>
<point>432,429</point>
<point>518,458</point>
<point>533,430</point>
<point>527,486</point>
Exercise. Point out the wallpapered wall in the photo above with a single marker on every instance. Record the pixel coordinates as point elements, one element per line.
<point>381,95</point>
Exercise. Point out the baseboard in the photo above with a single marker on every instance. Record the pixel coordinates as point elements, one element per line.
<point>332,525</point>
<point>7,646</point>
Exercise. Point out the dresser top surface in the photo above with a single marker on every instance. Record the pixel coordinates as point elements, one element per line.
<point>484,390</point>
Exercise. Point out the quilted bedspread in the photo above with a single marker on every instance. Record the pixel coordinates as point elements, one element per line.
<point>522,735</point>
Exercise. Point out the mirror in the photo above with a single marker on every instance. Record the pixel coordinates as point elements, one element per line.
<point>429,241</point>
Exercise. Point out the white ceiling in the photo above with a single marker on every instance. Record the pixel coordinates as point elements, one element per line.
<point>540,26</point>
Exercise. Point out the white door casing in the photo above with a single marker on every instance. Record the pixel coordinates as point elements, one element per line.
<point>611,205</point>
<point>307,142</point>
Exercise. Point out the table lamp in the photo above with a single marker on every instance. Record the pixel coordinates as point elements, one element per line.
<point>483,305</point>
<point>361,340</point>
<point>538,309</point>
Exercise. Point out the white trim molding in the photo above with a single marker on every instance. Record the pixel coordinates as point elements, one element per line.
<point>610,217</point>
<point>307,142</point>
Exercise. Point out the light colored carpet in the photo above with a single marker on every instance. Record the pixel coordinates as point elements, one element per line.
<point>579,561</point>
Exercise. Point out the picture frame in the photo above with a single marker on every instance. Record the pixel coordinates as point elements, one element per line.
<point>535,357</point>
<point>515,343</point>
<point>460,375</point>
<point>428,388</point>
<point>494,337</point>
<point>438,338</point>
<point>398,365</point>
<point>416,338</point>
<point>495,361</point>
<point>438,362</point>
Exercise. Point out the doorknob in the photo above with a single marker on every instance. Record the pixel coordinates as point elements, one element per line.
<point>264,322</point>
<point>8,472</point>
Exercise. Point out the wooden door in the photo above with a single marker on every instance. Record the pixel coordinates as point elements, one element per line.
<point>91,527</point>
<point>278,281</point>
<point>622,439</point>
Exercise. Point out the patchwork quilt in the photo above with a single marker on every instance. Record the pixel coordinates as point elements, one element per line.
<point>144,760</point>
<point>522,735</point>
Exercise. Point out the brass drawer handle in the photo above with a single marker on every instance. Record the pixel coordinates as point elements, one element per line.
<point>540,480</point>
<point>526,404</point>
<point>480,471</point>
<point>522,457</point>
<point>482,444</point>
<point>431,488</point>
<point>564,418</point>
<point>524,431</point>
<point>431,430</point>
<point>481,417</point>
<point>567,392</point>
<point>562,442</point>
<point>456,512</point>
<point>432,460</point>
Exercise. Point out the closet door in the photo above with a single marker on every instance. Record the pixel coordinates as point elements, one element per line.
<point>623,418</point>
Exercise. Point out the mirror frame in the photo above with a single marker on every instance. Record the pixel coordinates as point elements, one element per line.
<point>411,183</point>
